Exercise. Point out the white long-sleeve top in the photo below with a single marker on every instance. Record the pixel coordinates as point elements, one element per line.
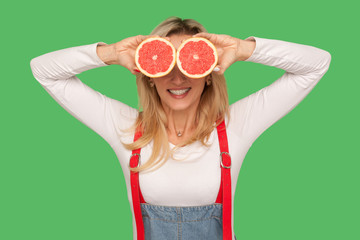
<point>196,180</point>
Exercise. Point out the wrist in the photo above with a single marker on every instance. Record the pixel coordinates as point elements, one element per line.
<point>107,54</point>
<point>246,49</point>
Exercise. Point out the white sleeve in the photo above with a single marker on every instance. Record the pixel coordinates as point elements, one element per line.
<point>304,65</point>
<point>56,72</point>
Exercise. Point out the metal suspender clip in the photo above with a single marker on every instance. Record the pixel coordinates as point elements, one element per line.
<point>138,159</point>
<point>221,159</point>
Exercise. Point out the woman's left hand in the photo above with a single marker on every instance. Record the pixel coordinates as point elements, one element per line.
<point>228,49</point>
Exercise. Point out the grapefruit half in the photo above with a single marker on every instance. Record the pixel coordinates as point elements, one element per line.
<point>196,57</point>
<point>155,57</point>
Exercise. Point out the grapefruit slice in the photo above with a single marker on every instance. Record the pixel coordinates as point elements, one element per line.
<point>155,57</point>
<point>196,57</point>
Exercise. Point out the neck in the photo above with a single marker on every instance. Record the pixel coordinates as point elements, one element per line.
<point>182,120</point>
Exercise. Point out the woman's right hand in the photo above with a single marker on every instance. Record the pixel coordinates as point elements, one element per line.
<point>125,51</point>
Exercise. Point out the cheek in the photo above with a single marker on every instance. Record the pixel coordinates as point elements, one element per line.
<point>160,83</point>
<point>200,85</point>
<point>160,89</point>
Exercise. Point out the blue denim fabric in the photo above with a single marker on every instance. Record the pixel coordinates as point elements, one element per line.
<point>182,223</point>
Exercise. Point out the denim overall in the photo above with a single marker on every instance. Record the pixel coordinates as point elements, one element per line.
<point>155,222</point>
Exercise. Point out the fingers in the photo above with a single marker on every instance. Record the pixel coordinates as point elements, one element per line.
<point>216,69</point>
<point>140,38</point>
<point>151,36</point>
<point>154,35</point>
<point>131,67</point>
<point>222,66</point>
<point>219,70</point>
<point>134,70</point>
<point>202,34</point>
<point>209,36</point>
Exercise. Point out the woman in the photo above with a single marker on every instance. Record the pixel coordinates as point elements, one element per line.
<point>180,189</point>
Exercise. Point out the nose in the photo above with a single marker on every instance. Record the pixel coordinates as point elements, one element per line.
<point>177,76</point>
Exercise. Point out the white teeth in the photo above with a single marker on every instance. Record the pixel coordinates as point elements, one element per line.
<point>179,92</point>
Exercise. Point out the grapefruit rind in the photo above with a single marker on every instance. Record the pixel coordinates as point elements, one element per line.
<point>196,39</point>
<point>160,74</point>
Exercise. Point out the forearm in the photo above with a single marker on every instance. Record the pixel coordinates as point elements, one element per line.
<point>65,63</point>
<point>291,57</point>
<point>245,49</point>
<point>107,54</point>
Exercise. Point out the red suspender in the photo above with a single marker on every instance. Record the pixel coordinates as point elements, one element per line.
<point>225,187</point>
<point>224,195</point>
<point>134,181</point>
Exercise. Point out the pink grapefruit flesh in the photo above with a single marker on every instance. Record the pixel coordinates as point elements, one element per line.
<point>155,57</point>
<point>196,57</point>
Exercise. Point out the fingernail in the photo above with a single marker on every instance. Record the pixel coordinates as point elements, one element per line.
<point>136,70</point>
<point>216,69</point>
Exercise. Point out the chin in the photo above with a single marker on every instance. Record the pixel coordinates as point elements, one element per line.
<point>179,107</point>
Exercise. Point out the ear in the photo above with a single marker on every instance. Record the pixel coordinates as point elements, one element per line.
<point>208,77</point>
<point>151,82</point>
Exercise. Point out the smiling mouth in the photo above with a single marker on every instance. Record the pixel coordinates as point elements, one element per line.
<point>179,92</point>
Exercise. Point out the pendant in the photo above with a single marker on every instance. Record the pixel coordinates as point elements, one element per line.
<point>179,134</point>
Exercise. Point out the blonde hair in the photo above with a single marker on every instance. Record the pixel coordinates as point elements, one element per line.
<point>152,120</point>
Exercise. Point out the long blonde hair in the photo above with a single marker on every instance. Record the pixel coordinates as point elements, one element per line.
<point>152,120</point>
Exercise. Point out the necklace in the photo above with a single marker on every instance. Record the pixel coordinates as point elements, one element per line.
<point>179,134</point>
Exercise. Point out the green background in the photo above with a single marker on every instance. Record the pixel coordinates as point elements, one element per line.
<point>60,180</point>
